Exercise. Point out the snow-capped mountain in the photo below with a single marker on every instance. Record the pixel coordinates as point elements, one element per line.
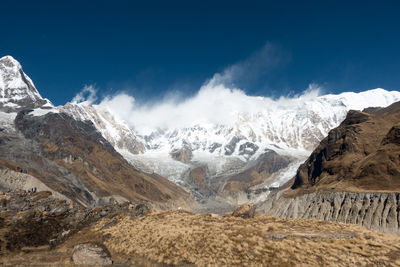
<point>16,88</point>
<point>114,131</point>
<point>297,123</point>
<point>290,127</point>
<point>258,146</point>
<point>17,92</point>
<point>42,146</point>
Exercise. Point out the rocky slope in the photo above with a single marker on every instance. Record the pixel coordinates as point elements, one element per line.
<point>362,154</point>
<point>40,219</point>
<point>120,136</point>
<point>353,176</point>
<point>70,157</point>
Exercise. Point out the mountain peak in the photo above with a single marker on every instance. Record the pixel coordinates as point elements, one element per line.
<point>10,62</point>
<point>17,90</point>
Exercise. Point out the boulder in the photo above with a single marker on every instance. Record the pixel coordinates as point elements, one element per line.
<point>183,155</point>
<point>91,254</point>
<point>245,211</point>
<point>140,210</point>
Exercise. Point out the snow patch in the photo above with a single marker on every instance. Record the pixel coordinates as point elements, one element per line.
<point>40,112</point>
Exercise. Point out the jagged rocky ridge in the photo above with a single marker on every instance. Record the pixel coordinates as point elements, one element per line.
<point>353,176</point>
<point>70,157</point>
<point>362,154</point>
<point>17,90</point>
<point>116,132</point>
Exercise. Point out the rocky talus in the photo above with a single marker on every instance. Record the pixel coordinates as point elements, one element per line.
<point>379,211</point>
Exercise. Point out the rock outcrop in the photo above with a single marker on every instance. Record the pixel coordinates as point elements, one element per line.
<point>379,211</point>
<point>91,254</point>
<point>183,154</point>
<point>40,219</point>
<point>362,154</point>
<point>245,211</point>
<point>242,187</point>
<point>353,176</point>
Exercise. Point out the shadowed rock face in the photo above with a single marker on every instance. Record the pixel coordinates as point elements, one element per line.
<point>117,133</point>
<point>39,219</point>
<point>183,155</point>
<point>353,176</point>
<point>362,154</point>
<point>393,136</point>
<point>245,211</point>
<point>267,164</point>
<point>61,129</point>
<point>72,158</point>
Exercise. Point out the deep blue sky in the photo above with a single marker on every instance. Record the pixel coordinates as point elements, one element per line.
<point>154,47</point>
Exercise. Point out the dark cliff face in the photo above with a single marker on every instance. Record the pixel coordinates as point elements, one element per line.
<point>338,142</point>
<point>353,176</point>
<point>271,162</point>
<point>362,154</point>
<point>267,164</point>
<point>72,158</point>
<point>61,129</point>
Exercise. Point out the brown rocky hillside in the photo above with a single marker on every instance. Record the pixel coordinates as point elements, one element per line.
<point>72,158</point>
<point>353,176</point>
<point>361,155</point>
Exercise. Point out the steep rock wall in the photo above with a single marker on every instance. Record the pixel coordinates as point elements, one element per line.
<point>379,211</point>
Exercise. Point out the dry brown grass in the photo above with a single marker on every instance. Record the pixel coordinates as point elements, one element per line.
<point>210,240</point>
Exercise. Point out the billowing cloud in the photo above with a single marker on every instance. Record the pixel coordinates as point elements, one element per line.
<point>87,94</point>
<point>211,105</point>
<point>218,101</point>
<point>257,66</point>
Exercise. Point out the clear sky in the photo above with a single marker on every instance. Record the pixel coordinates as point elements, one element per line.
<point>150,48</point>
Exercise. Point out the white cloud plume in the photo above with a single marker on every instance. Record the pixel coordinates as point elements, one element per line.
<point>211,105</point>
<point>218,101</point>
<point>246,72</point>
<point>87,94</point>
